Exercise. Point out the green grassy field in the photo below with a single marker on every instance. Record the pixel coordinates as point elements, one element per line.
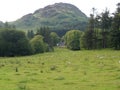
<point>62,70</point>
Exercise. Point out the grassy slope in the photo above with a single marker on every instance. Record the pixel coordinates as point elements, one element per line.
<point>62,70</point>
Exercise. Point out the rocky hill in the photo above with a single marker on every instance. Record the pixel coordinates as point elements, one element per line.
<point>59,16</point>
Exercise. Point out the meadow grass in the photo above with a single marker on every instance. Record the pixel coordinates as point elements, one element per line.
<point>62,70</point>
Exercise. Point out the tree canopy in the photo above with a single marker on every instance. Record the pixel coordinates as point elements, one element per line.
<point>72,39</point>
<point>14,43</point>
<point>54,38</point>
<point>38,45</point>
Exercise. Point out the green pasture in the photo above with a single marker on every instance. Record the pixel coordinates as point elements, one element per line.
<point>62,70</point>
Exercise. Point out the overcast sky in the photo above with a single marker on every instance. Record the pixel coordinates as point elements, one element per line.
<point>11,10</point>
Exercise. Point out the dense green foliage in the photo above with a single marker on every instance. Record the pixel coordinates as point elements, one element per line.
<point>30,34</point>
<point>103,31</point>
<point>54,38</point>
<point>13,42</point>
<point>89,36</point>
<point>38,44</point>
<point>72,39</point>
<point>115,32</point>
<point>45,32</point>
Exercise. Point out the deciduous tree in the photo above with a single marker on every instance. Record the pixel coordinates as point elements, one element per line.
<point>72,39</point>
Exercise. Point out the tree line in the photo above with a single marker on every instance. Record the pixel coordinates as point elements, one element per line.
<point>103,32</point>
<point>16,43</point>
